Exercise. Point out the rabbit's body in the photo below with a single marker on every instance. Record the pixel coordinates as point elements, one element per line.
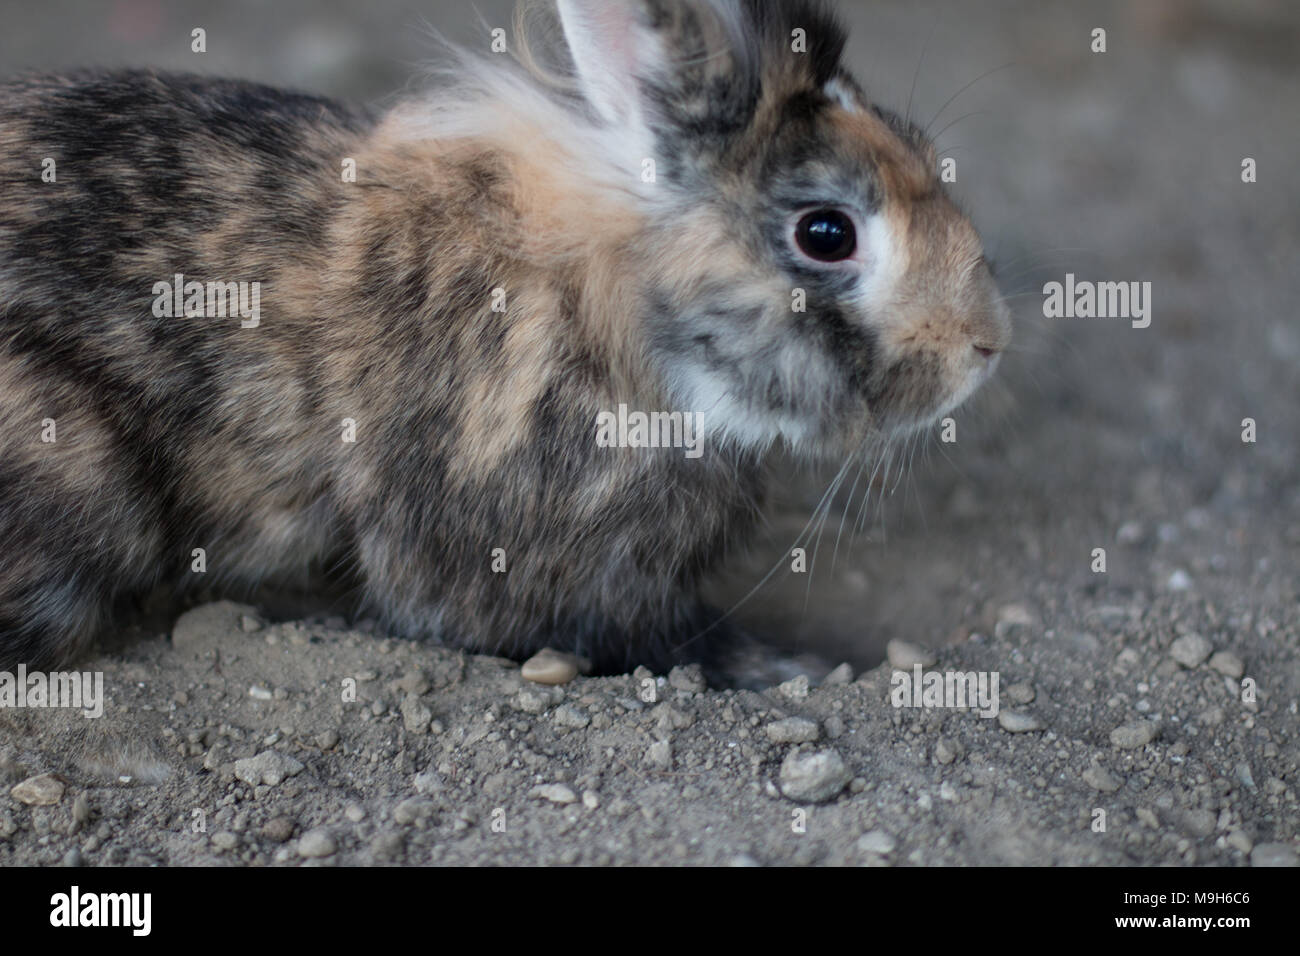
<point>500,273</point>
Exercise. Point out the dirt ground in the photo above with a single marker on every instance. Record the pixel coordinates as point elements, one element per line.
<point>1158,698</point>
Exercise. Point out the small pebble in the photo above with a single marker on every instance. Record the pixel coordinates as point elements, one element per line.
<point>669,718</point>
<point>841,676</point>
<point>1135,735</point>
<point>813,776</point>
<point>225,840</point>
<point>792,730</point>
<point>876,841</point>
<point>796,688</point>
<point>535,700</point>
<point>415,715</point>
<point>388,845</point>
<point>550,667</point>
<point>1227,664</point>
<point>1199,823</point>
<point>430,781</point>
<point>1022,693</point>
<point>660,755</point>
<point>1011,617</point>
<point>355,812</point>
<point>1274,854</point>
<point>1190,650</point>
<point>412,810</point>
<point>316,843</point>
<point>1099,778</point>
<point>688,678</point>
<point>1238,840</point>
<point>945,751</point>
<point>1180,580</point>
<point>43,790</point>
<point>414,682</point>
<point>554,792</point>
<point>270,767</point>
<point>1130,533</point>
<point>1212,717</point>
<point>904,656</point>
<point>1015,722</point>
<point>278,829</point>
<point>203,627</point>
<point>73,857</point>
<point>567,715</point>
<point>260,693</point>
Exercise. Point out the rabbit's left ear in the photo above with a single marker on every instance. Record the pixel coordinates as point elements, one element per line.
<point>615,50</point>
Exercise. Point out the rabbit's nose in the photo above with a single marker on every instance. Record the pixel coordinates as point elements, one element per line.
<point>991,333</point>
<point>987,358</point>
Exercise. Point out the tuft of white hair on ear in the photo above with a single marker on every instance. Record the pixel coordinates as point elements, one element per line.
<point>613,50</point>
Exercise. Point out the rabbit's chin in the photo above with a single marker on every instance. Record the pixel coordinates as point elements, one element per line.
<point>750,430</point>
<point>877,430</point>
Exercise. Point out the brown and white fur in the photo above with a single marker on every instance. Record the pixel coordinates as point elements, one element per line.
<point>475,429</point>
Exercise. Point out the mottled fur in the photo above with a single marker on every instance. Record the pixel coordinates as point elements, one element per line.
<point>475,429</point>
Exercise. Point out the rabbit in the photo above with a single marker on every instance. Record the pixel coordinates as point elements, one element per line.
<point>686,210</point>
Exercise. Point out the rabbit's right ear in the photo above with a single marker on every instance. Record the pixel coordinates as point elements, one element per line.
<point>615,51</point>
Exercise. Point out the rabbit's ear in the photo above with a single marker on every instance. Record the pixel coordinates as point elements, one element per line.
<point>614,50</point>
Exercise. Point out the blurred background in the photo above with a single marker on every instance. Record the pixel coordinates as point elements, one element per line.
<point>1115,166</point>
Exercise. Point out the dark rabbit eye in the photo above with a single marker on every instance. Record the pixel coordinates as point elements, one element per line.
<point>826,235</point>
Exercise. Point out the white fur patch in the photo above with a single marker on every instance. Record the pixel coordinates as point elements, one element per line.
<point>884,265</point>
<point>842,96</point>
<point>725,419</point>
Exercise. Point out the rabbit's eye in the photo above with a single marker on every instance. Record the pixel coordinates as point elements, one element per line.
<point>826,235</point>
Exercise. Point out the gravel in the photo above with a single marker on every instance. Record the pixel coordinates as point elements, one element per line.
<point>1099,778</point>
<point>44,790</point>
<point>278,829</point>
<point>1190,650</point>
<point>813,777</point>
<point>1014,722</point>
<point>550,667</point>
<point>555,793</point>
<point>270,767</point>
<point>905,656</point>
<point>876,841</point>
<point>1134,735</point>
<point>1274,854</point>
<point>1228,664</point>
<point>317,843</point>
<point>792,730</point>
<point>416,717</point>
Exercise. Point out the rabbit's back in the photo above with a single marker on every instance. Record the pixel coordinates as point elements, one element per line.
<point>130,438</point>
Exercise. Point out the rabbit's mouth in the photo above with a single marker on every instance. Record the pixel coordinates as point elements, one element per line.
<point>926,382</point>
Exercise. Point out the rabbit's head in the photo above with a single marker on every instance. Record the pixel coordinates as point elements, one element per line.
<point>804,276</point>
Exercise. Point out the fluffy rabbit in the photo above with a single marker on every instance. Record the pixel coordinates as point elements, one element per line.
<point>426,320</point>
